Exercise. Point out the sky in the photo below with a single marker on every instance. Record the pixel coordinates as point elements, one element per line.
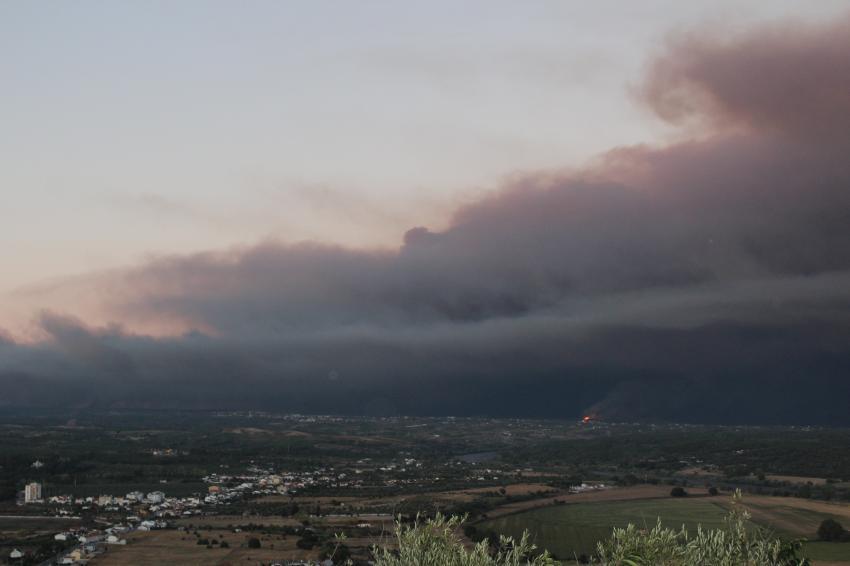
<point>542,207</point>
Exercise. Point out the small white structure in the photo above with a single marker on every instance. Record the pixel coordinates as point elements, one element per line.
<point>16,555</point>
<point>61,536</point>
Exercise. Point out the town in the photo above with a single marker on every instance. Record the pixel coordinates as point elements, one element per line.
<point>278,488</point>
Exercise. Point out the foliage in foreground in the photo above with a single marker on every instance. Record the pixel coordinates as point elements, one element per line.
<point>738,544</point>
<point>436,543</point>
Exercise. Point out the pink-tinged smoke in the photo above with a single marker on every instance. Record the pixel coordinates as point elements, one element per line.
<point>633,285</point>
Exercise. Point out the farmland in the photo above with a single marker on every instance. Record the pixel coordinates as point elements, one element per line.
<point>177,547</point>
<point>573,529</point>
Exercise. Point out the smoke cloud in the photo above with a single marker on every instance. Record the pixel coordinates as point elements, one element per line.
<point>706,280</point>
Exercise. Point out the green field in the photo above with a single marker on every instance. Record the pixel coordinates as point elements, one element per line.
<point>827,551</point>
<point>575,528</point>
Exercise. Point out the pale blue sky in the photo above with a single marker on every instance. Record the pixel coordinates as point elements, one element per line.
<point>129,129</point>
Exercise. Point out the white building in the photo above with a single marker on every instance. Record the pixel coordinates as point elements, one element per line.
<point>32,493</point>
<point>156,497</point>
<point>135,496</point>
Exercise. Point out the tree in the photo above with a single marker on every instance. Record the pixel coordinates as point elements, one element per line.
<point>342,554</point>
<point>712,490</point>
<point>678,492</point>
<point>630,479</point>
<point>254,542</point>
<point>831,530</point>
<point>305,544</point>
<point>336,551</point>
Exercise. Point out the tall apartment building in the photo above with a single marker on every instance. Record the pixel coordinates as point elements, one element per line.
<point>32,492</point>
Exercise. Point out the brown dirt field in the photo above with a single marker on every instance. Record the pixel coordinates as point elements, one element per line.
<point>779,513</point>
<point>696,471</point>
<point>454,495</point>
<point>347,520</point>
<point>776,519</point>
<point>222,521</point>
<point>321,500</point>
<point>628,493</point>
<point>166,547</point>
<point>828,507</point>
<point>513,489</point>
<point>308,502</point>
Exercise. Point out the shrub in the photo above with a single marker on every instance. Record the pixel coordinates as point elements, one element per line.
<point>254,542</point>
<point>831,530</point>
<point>435,542</point>
<point>737,544</point>
<point>678,492</point>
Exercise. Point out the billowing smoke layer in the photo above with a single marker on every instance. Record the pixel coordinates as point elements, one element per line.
<point>708,280</point>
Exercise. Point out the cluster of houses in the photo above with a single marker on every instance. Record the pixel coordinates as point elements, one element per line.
<point>154,504</point>
<point>257,481</point>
